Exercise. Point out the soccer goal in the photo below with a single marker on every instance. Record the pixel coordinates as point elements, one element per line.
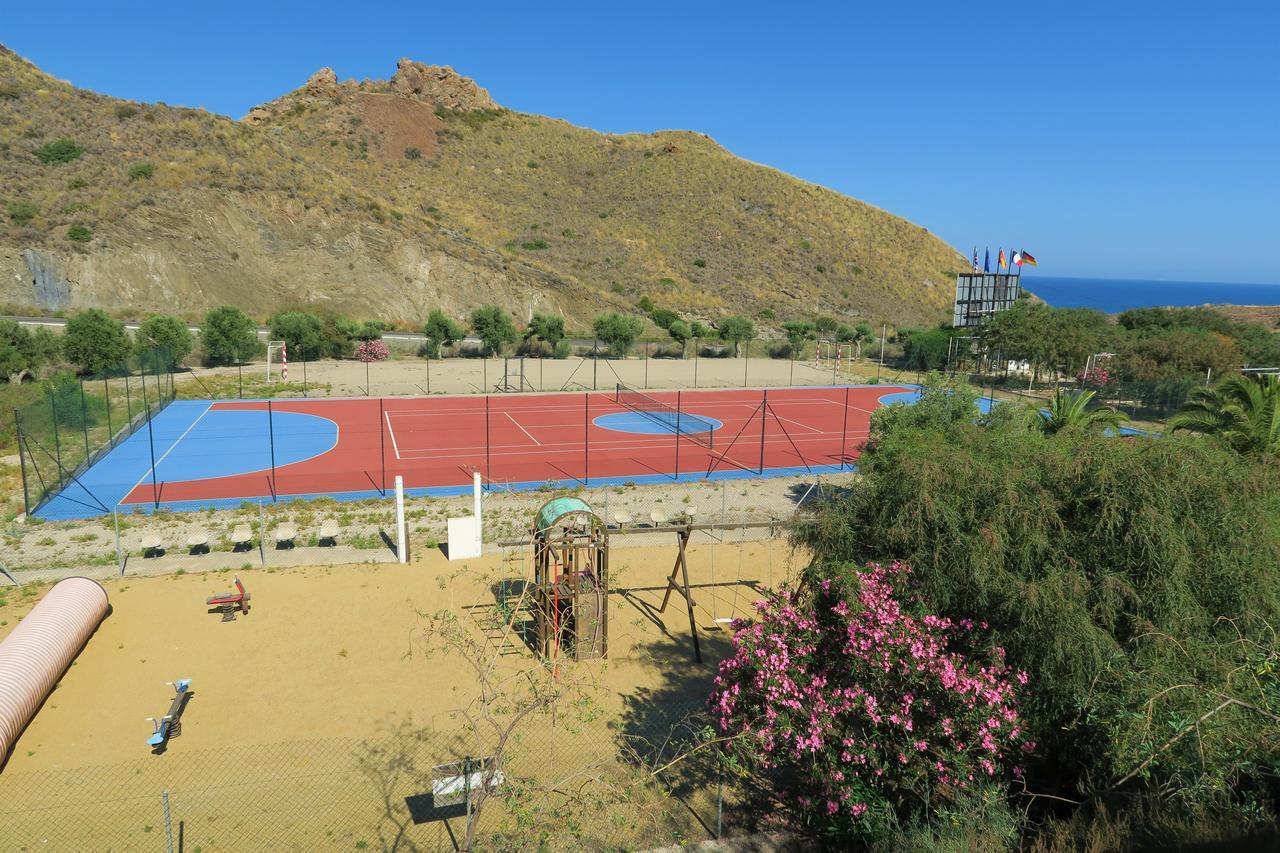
<point>832,353</point>
<point>283,358</point>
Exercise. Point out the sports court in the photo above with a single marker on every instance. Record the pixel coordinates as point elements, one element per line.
<point>199,453</point>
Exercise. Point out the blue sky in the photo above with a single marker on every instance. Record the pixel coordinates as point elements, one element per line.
<point>1125,139</point>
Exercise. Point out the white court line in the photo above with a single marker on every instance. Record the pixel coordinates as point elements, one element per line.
<point>392,432</point>
<point>170,450</point>
<point>522,429</point>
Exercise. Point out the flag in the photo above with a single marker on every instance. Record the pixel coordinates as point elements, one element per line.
<point>975,258</point>
<point>1003,261</point>
<point>986,262</point>
<point>1028,259</point>
<point>1017,259</point>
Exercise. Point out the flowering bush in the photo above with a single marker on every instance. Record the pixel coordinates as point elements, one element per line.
<point>1097,377</point>
<point>870,711</point>
<point>369,351</point>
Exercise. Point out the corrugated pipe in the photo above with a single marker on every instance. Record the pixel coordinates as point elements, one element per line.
<point>38,651</point>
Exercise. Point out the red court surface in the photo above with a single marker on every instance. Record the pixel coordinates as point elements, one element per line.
<point>356,447</point>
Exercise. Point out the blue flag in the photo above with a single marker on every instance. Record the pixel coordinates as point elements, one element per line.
<point>986,263</point>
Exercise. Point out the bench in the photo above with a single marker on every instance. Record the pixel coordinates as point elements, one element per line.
<point>198,542</point>
<point>329,531</point>
<point>242,538</point>
<point>152,545</point>
<point>286,533</point>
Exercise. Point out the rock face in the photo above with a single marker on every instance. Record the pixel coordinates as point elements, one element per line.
<point>441,85</point>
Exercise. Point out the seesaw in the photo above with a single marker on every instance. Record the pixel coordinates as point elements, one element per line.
<point>170,725</point>
<point>229,602</point>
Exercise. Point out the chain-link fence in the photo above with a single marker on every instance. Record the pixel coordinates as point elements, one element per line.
<point>80,419</point>
<point>631,782</point>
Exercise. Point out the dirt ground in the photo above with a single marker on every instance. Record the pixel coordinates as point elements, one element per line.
<point>327,655</point>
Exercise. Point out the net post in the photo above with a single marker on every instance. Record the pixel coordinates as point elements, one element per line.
<point>128,401</point>
<point>271,441</point>
<point>151,444</point>
<point>764,405</point>
<point>488,443</point>
<point>844,426</point>
<point>22,461</point>
<point>586,439</point>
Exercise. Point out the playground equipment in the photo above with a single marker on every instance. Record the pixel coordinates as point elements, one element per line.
<point>227,603</point>
<point>570,580</point>
<point>41,647</point>
<point>170,725</point>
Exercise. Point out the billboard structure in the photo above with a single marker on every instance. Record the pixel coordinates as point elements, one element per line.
<point>979,295</point>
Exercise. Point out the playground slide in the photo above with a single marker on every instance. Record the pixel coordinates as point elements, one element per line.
<point>36,653</point>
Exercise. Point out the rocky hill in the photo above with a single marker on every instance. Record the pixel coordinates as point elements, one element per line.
<point>389,198</point>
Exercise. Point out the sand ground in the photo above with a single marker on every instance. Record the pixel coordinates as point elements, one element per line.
<point>328,656</point>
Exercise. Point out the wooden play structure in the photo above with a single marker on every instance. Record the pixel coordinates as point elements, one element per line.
<point>227,603</point>
<point>570,591</point>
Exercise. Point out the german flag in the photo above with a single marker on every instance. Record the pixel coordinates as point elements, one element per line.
<point>1003,260</point>
<point>1028,258</point>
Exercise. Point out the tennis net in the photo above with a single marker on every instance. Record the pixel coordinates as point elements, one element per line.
<point>671,419</point>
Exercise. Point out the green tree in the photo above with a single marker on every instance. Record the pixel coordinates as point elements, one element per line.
<point>371,330</point>
<point>663,317</point>
<point>94,342</point>
<point>1070,410</point>
<point>548,328</point>
<point>23,352</point>
<point>1242,411</point>
<point>163,341</point>
<point>797,332</point>
<point>618,332</point>
<point>493,326</point>
<point>228,336</point>
<point>698,331</point>
<point>440,330</point>
<point>825,327</point>
<point>645,304</point>
<point>680,333</point>
<point>303,334</point>
<point>736,330</point>
<point>926,349</point>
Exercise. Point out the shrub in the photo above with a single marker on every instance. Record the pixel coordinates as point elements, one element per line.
<point>228,336</point>
<point>618,332</point>
<point>370,351</point>
<point>563,350</point>
<point>700,263</point>
<point>9,92</point>
<point>163,341</point>
<point>413,153</point>
<point>59,151</point>
<point>79,234</point>
<point>872,711</point>
<point>1136,579</point>
<point>533,245</point>
<point>493,326</point>
<point>125,111</point>
<point>141,171</point>
<point>22,212</point>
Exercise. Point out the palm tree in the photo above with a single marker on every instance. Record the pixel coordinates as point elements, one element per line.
<point>1244,411</point>
<point>1071,410</point>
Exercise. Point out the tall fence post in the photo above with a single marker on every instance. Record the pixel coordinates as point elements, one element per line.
<point>844,426</point>
<point>84,421</point>
<point>764,408</point>
<point>240,381</point>
<point>697,345</point>
<point>677,474</point>
<point>168,825</point>
<point>271,441</point>
<point>22,461</point>
<point>304,378</point>
<point>646,365</point>
<point>382,444</point>
<point>262,532</point>
<point>128,402</point>
<point>57,444</point>
<point>746,362</point>
<point>586,439</point>
<point>106,395</point>
<point>488,471</point>
<point>151,443</point>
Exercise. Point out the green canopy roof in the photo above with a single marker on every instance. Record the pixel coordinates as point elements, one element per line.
<point>554,509</point>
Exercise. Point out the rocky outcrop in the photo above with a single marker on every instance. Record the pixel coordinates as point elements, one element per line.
<point>50,288</point>
<point>441,85</point>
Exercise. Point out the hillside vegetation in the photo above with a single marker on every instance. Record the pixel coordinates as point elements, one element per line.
<point>390,198</point>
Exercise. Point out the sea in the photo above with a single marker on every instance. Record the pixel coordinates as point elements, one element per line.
<point>1114,295</point>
